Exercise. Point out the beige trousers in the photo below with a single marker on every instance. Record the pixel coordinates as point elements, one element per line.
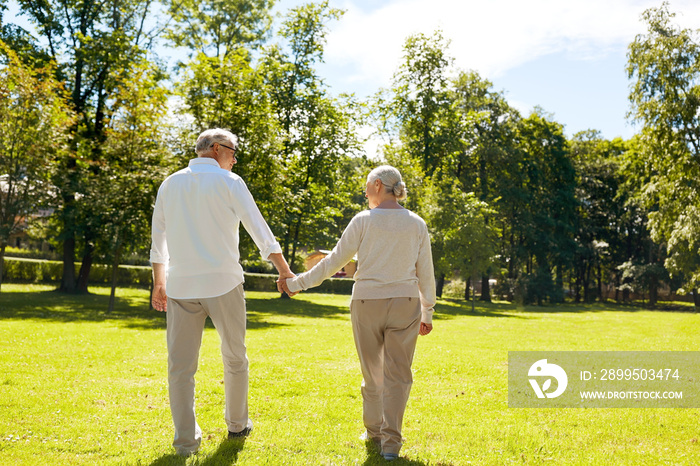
<point>385,331</point>
<point>185,320</point>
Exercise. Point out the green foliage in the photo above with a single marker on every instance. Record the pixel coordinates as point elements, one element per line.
<point>601,212</point>
<point>37,271</point>
<point>664,65</point>
<point>318,135</point>
<point>420,107</point>
<point>33,133</point>
<point>545,207</point>
<point>462,237</point>
<point>217,28</point>
<point>96,46</point>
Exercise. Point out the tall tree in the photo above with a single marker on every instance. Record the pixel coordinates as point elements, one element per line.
<point>33,134</point>
<point>317,131</point>
<point>94,44</point>
<point>462,236</point>
<point>421,102</point>
<point>217,28</point>
<point>486,159</point>
<point>600,214</point>
<point>664,66</point>
<point>135,164</point>
<point>545,222</point>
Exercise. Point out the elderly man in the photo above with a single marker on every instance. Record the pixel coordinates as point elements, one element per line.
<point>197,273</point>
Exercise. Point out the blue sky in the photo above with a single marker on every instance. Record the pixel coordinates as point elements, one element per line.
<point>566,56</point>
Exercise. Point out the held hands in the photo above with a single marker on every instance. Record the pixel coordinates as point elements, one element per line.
<point>425,328</point>
<point>282,284</point>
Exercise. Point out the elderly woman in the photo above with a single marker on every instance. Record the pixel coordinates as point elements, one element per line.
<point>392,300</point>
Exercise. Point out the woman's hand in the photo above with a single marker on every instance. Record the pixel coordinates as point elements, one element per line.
<point>282,285</point>
<point>425,328</point>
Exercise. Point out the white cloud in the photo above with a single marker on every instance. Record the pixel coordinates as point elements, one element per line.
<point>491,37</point>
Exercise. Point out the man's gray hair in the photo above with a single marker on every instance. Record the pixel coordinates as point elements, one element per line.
<point>391,179</point>
<point>211,136</point>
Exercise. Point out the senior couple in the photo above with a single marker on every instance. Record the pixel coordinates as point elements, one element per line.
<point>197,274</point>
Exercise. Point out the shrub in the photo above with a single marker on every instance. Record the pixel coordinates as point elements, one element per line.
<point>38,271</point>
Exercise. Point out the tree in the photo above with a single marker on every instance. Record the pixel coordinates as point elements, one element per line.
<point>317,132</point>
<point>134,154</point>
<point>217,28</point>
<point>664,66</point>
<point>639,250</point>
<point>230,92</point>
<point>599,233</point>
<point>94,44</point>
<point>461,234</point>
<point>33,134</point>
<point>485,161</point>
<point>421,104</point>
<point>545,211</point>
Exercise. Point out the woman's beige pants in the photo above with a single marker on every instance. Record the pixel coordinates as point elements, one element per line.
<point>186,319</point>
<point>385,332</point>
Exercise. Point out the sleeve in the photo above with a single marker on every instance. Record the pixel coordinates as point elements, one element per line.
<point>341,254</point>
<point>247,210</point>
<point>426,279</point>
<point>159,244</point>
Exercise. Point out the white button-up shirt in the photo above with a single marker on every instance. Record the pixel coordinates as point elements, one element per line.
<point>195,230</point>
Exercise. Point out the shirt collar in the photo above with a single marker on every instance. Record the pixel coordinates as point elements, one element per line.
<point>204,161</point>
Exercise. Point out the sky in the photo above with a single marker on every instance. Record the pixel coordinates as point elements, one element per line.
<point>566,56</point>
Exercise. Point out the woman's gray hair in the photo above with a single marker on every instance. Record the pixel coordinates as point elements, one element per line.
<point>391,179</point>
<point>211,136</point>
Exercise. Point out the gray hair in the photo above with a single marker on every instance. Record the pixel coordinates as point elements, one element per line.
<point>211,136</point>
<point>391,179</point>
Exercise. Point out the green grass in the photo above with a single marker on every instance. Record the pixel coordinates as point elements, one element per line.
<point>78,386</point>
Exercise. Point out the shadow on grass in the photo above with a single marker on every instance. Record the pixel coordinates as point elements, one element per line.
<point>226,454</point>
<point>374,458</point>
<point>297,307</point>
<point>449,307</point>
<point>134,311</point>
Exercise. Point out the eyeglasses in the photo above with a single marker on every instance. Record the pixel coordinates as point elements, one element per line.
<point>222,145</point>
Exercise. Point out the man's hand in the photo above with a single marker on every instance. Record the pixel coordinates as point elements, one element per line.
<point>282,285</point>
<point>285,272</point>
<point>159,300</point>
<point>425,328</point>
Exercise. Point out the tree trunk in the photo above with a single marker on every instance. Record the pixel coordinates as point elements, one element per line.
<point>115,268</point>
<point>440,285</point>
<point>586,279</point>
<point>601,298</point>
<point>68,278</point>
<point>84,272</point>
<point>653,291</point>
<point>577,283</point>
<point>2,262</point>
<point>150,296</point>
<point>485,289</point>
<point>696,299</point>
<point>466,289</point>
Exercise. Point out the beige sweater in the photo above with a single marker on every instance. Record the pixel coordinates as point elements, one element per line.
<point>393,259</point>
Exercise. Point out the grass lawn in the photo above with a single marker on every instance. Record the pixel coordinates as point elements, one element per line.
<point>78,386</point>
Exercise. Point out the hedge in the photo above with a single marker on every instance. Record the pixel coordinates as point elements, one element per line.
<point>40,271</point>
